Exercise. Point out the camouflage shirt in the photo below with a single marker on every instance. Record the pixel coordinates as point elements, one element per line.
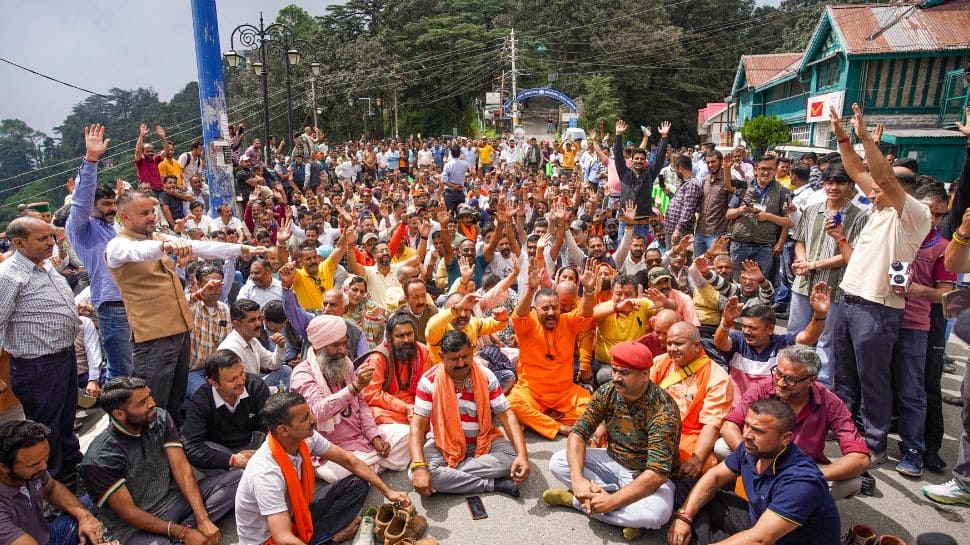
<point>642,434</point>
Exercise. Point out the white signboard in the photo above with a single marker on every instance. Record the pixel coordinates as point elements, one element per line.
<point>567,117</point>
<point>817,107</point>
<point>493,99</point>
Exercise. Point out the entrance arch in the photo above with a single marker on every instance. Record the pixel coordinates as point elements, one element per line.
<point>546,92</point>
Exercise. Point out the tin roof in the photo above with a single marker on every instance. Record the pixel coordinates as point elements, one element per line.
<point>762,69</point>
<point>923,133</point>
<point>880,28</point>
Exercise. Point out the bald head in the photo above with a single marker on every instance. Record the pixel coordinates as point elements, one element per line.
<point>335,302</point>
<point>567,291</point>
<point>405,273</point>
<point>32,237</point>
<point>684,343</point>
<point>662,322</point>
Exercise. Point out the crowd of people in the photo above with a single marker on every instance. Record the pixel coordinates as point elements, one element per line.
<point>420,305</point>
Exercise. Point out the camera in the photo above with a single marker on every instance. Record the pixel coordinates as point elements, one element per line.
<point>899,274</point>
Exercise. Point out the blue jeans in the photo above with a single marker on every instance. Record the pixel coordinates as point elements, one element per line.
<point>643,229</point>
<point>279,377</point>
<point>908,369</point>
<point>703,242</point>
<point>115,339</point>
<point>799,314</point>
<point>784,278</point>
<point>864,337</point>
<point>63,529</point>
<point>762,254</point>
<point>196,380</point>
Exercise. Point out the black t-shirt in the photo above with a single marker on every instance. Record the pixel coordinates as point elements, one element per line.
<point>175,205</point>
<point>242,188</point>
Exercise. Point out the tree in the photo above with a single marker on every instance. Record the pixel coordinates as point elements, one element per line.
<point>761,132</point>
<point>20,147</point>
<point>602,107</point>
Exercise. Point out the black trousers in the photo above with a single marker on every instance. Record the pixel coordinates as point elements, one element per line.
<point>47,388</point>
<point>725,515</point>
<point>335,506</point>
<point>164,364</point>
<point>935,348</point>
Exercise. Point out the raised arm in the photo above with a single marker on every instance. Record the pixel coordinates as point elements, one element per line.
<point>618,159</point>
<point>731,312</point>
<point>850,159</point>
<point>820,300</point>
<point>879,166</point>
<point>140,142</point>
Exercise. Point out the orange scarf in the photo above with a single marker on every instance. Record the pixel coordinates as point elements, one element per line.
<point>299,491</point>
<point>446,420</point>
<point>691,420</point>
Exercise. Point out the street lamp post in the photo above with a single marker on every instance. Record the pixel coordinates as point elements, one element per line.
<point>366,114</point>
<point>315,67</point>
<point>281,40</point>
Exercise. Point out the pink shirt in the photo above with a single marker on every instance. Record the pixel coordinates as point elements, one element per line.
<point>354,432</point>
<point>927,269</point>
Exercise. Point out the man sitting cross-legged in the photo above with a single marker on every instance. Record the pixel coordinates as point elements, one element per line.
<point>702,391</point>
<point>545,397</point>
<point>222,427</point>
<point>626,484</point>
<point>326,379</point>
<point>818,411</point>
<point>791,503</point>
<point>276,499</point>
<point>464,453</point>
<point>136,468</point>
<point>398,363</point>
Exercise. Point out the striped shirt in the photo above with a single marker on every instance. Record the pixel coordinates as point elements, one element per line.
<point>37,311</point>
<point>466,400</point>
<point>810,230</point>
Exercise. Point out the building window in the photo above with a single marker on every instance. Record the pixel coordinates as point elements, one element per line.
<point>801,134</point>
<point>823,135</point>
<point>829,72</point>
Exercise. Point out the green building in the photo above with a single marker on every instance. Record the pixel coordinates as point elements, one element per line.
<point>906,65</point>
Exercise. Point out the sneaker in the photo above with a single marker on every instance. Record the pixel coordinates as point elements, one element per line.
<point>868,484</point>
<point>950,493</point>
<point>910,463</point>
<point>859,534</point>
<point>933,462</point>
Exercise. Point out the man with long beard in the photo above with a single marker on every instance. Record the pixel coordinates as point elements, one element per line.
<point>398,363</point>
<point>326,379</point>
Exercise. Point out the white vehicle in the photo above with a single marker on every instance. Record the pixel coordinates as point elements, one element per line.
<point>576,134</point>
<point>793,152</point>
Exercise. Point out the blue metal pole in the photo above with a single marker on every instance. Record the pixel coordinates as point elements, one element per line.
<point>212,102</point>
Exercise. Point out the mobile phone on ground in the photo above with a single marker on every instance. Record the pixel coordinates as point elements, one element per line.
<point>476,507</point>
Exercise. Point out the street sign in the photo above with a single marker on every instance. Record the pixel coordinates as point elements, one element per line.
<point>817,107</point>
<point>493,99</point>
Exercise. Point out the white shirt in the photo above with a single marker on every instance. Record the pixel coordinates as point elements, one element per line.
<point>887,237</point>
<point>252,354</point>
<point>746,169</point>
<point>205,223</point>
<point>259,295</point>
<point>262,490</point>
<point>219,402</point>
<point>121,250</point>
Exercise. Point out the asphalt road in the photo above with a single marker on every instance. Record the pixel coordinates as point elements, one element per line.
<point>898,508</point>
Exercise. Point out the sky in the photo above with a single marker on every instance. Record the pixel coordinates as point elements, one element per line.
<point>103,44</point>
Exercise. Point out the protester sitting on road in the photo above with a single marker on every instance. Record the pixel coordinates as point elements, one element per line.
<point>818,412</point>
<point>628,483</point>
<point>790,499</point>
<point>334,393</point>
<point>753,351</point>
<point>222,427</point>
<point>702,391</point>
<point>143,482</point>
<point>25,487</point>
<point>276,499</point>
<point>465,452</point>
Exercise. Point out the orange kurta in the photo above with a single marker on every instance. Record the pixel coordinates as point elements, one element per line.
<point>545,382</point>
<point>390,406</point>
<point>703,398</point>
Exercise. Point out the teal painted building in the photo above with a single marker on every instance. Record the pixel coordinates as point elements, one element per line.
<point>905,65</point>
